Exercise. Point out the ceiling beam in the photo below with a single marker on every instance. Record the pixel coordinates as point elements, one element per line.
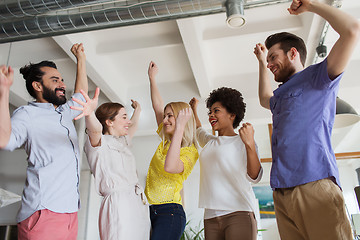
<point>193,43</point>
<point>18,93</point>
<point>97,69</point>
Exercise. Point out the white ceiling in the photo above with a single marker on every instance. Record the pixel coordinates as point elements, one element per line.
<point>194,55</point>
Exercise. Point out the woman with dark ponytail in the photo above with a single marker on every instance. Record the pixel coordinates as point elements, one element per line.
<point>124,212</point>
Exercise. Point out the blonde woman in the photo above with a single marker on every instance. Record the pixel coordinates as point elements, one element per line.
<point>171,164</point>
<point>124,212</point>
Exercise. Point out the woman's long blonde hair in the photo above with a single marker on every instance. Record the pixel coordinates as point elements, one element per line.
<point>189,136</point>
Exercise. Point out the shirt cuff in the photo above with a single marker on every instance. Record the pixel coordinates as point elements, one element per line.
<point>258,178</point>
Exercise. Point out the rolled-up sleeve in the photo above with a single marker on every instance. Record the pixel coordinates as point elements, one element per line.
<point>203,137</point>
<point>19,129</point>
<point>258,178</point>
<point>71,102</point>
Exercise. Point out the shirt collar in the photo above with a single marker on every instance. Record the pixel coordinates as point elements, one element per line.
<point>291,77</point>
<point>46,106</point>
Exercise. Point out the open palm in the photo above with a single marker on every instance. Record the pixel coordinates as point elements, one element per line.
<point>87,107</point>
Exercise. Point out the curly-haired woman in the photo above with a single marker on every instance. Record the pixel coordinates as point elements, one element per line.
<point>229,164</point>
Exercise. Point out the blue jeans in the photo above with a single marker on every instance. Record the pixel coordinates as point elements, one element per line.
<point>167,221</point>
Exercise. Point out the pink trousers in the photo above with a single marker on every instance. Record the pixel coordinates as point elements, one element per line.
<point>45,224</point>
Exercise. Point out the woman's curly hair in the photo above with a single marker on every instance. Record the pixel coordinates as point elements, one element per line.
<point>231,99</point>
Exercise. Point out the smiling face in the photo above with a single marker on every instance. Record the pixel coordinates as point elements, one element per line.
<point>120,125</point>
<point>53,87</point>
<point>220,119</point>
<point>169,121</point>
<point>279,64</point>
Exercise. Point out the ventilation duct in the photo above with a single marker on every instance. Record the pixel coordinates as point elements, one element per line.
<point>27,19</point>
<point>235,13</point>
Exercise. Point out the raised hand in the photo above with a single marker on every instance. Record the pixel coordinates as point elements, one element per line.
<point>183,117</point>
<point>88,107</point>
<point>246,133</point>
<point>194,103</point>
<point>6,80</point>
<point>152,70</point>
<point>78,50</point>
<point>6,77</point>
<point>260,52</point>
<point>299,6</point>
<point>135,105</point>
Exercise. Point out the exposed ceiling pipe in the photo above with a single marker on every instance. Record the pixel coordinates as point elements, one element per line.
<point>21,19</point>
<point>22,8</point>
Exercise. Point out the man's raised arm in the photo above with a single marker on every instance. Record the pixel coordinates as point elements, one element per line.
<point>81,82</point>
<point>6,80</point>
<point>345,25</point>
<point>265,91</point>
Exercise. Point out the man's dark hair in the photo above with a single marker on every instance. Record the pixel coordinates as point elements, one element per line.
<point>288,41</point>
<point>231,99</point>
<point>32,72</point>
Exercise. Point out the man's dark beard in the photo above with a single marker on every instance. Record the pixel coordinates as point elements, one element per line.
<point>50,96</point>
<point>287,71</point>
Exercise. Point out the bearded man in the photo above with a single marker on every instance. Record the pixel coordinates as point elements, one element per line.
<point>44,127</point>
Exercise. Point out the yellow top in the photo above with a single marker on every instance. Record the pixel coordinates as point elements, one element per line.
<point>163,187</point>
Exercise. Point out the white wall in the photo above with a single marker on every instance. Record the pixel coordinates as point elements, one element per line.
<point>144,148</point>
<point>89,211</point>
<point>12,178</point>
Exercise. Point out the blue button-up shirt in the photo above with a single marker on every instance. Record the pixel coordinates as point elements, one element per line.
<point>50,140</point>
<point>303,111</point>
